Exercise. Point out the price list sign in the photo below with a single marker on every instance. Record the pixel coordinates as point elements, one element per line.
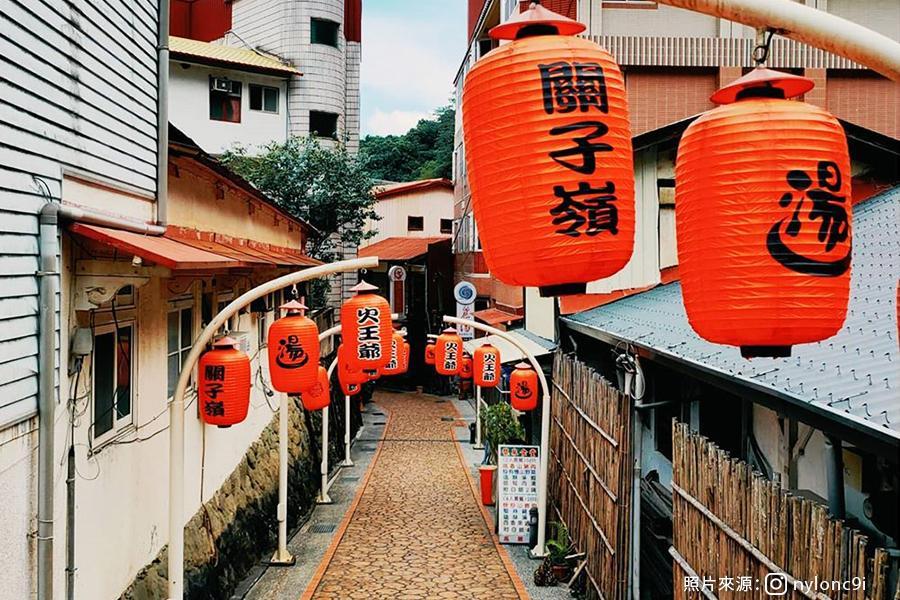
<point>517,490</point>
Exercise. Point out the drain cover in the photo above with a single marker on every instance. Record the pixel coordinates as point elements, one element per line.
<point>367,448</point>
<point>449,419</point>
<point>378,423</point>
<point>322,528</point>
<point>377,413</point>
<point>439,401</point>
<point>351,478</point>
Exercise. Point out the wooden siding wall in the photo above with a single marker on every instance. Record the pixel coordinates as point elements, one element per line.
<point>77,94</point>
<point>589,483</point>
<point>729,521</point>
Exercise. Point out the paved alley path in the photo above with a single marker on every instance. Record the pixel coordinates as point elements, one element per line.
<point>417,532</point>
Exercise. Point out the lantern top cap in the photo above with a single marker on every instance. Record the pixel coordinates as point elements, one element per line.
<point>535,17</point>
<point>765,83</point>
<point>293,306</point>
<point>449,330</point>
<point>225,342</point>
<point>523,365</point>
<point>363,286</point>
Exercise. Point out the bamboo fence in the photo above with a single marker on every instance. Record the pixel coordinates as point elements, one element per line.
<point>589,475</point>
<point>730,522</point>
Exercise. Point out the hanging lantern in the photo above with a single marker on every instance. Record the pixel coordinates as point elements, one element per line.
<point>465,366</point>
<point>448,352</point>
<point>393,367</point>
<point>548,149</point>
<point>350,380</point>
<point>224,386</point>
<point>485,366</point>
<point>404,362</point>
<point>429,351</point>
<point>318,396</point>
<point>366,329</point>
<point>523,387</point>
<point>293,343</point>
<point>763,218</point>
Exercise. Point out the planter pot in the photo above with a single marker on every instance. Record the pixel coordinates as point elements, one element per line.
<point>487,483</point>
<point>561,572</point>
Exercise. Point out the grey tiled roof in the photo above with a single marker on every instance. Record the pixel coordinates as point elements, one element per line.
<point>853,376</point>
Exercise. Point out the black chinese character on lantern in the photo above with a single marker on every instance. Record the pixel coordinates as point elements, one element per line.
<point>215,372</point>
<point>214,409</point>
<point>367,315</point>
<point>586,146</point>
<point>291,354</point>
<point>586,206</point>
<point>369,351</point>
<point>569,86</point>
<point>213,390</point>
<point>825,206</point>
<point>522,390</point>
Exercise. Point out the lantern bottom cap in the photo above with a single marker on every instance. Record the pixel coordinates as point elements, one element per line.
<point>765,351</point>
<point>223,426</point>
<point>562,289</point>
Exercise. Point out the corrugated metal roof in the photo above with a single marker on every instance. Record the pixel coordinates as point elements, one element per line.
<point>240,58</point>
<point>535,344</point>
<point>495,316</point>
<point>853,376</point>
<point>400,248</point>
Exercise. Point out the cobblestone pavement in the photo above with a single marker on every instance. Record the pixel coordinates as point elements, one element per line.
<point>417,532</point>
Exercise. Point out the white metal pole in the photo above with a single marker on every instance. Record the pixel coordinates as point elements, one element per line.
<point>540,549</point>
<point>478,444</point>
<point>176,408</point>
<point>282,556</point>
<point>348,462</point>
<point>324,498</point>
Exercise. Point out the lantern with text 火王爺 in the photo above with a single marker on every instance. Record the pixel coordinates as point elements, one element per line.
<point>762,204</point>
<point>448,352</point>
<point>523,387</point>
<point>549,156</point>
<point>486,366</point>
<point>366,329</point>
<point>394,366</point>
<point>318,396</point>
<point>293,347</point>
<point>350,380</point>
<point>429,351</point>
<point>224,384</point>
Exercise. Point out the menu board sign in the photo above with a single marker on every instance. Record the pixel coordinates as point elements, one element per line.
<point>517,489</point>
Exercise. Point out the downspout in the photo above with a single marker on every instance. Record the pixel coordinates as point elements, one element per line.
<point>834,474</point>
<point>162,118</point>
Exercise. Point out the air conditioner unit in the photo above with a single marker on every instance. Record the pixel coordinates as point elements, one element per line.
<point>220,84</point>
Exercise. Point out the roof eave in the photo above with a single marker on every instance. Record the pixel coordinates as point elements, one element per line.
<point>285,73</point>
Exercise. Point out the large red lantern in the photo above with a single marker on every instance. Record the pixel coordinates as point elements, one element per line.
<point>465,366</point>
<point>429,351</point>
<point>523,387</point>
<point>350,379</point>
<point>224,386</point>
<point>318,396</point>
<point>548,149</point>
<point>366,329</point>
<point>448,352</point>
<point>762,203</point>
<point>394,365</point>
<point>486,366</point>
<point>293,343</point>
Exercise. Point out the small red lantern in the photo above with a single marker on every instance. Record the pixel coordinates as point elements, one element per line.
<point>394,366</point>
<point>404,363</point>
<point>448,352</point>
<point>351,380</point>
<point>366,329</point>
<point>293,350</point>
<point>486,366</point>
<point>465,366</point>
<point>523,387</point>
<point>429,351</point>
<point>763,214</point>
<point>548,148</point>
<point>318,396</point>
<point>224,385</point>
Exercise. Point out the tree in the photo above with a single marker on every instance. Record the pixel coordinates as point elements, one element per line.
<point>423,152</point>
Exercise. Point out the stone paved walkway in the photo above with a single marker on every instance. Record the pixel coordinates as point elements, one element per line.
<point>417,532</point>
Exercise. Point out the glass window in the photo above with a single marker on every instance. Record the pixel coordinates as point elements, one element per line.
<point>263,98</point>
<point>446,225</point>
<point>224,100</point>
<point>180,339</point>
<point>415,223</point>
<point>323,124</point>
<point>323,31</point>
<point>112,372</point>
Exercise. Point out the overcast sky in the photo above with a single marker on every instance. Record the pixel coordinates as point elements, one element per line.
<point>411,50</point>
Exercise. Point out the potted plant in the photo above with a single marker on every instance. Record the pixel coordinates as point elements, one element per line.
<point>559,547</point>
<point>498,426</point>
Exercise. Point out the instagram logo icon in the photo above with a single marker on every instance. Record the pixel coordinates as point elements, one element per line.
<point>775,584</point>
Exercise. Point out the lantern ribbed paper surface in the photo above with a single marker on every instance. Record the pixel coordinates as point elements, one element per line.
<point>429,352</point>
<point>763,220</point>
<point>486,366</point>
<point>350,380</point>
<point>523,388</point>
<point>465,367</point>
<point>224,384</point>
<point>404,362</point>
<point>394,366</point>
<point>448,352</point>
<point>293,347</point>
<point>366,329</point>
<point>548,150</point>
<point>318,396</point>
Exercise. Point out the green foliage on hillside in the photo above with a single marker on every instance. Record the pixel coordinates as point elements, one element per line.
<point>423,152</point>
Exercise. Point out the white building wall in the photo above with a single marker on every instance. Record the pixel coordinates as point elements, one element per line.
<point>432,205</point>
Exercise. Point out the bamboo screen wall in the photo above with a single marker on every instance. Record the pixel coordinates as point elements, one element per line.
<point>590,464</point>
<point>730,522</point>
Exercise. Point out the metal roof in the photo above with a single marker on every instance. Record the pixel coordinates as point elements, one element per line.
<point>183,49</point>
<point>535,344</point>
<point>853,377</point>
<point>400,248</point>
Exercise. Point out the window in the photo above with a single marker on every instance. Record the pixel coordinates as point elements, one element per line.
<point>180,338</point>
<point>415,223</point>
<point>263,98</point>
<point>323,31</point>
<point>113,368</point>
<point>446,225</point>
<point>224,100</point>
<point>323,124</point>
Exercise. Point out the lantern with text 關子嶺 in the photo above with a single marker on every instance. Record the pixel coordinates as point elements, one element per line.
<point>523,387</point>
<point>293,345</point>
<point>465,366</point>
<point>448,352</point>
<point>350,380</point>
<point>393,367</point>
<point>549,156</point>
<point>429,351</point>
<point>318,396</point>
<point>366,329</point>
<point>486,365</point>
<point>762,206</point>
<point>224,384</point>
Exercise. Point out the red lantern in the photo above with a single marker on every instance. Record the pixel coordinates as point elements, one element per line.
<point>404,363</point>
<point>429,351</point>
<point>224,385</point>
<point>763,214</point>
<point>523,387</point>
<point>448,352</point>
<point>293,350</point>
<point>393,367</point>
<point>318,396</point>
<point>486,366</point>
<point>548,149</point>
<point>351,380</point>
<point>465,366</point>
<point>366,329</point>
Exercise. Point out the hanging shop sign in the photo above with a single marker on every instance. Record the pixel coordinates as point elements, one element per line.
<point>464,293</point>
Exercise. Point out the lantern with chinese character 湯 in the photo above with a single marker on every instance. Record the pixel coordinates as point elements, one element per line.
<point>429,351</point>
<point>224,384</point>
<point>523,387</point>
<point>366,329</point>
<point>318,396</point>
<point>394,365</point>
<point>486,366</point>
<point>350,379</point>
<point>293,343</point>
<point>448,352</point>
<point>763,217</point>
<point>465,366</point>
<point>548,149</point>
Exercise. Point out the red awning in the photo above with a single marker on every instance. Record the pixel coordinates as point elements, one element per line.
<point>495,316</point>
<point>400,248</point>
